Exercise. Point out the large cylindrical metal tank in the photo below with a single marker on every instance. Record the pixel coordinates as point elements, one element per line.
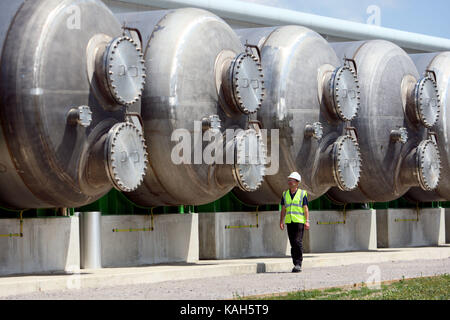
<point>67,77</point>
<point>201,80</point>
<point>312,96</point>
<point>398,108</point>
<point>437,65</point>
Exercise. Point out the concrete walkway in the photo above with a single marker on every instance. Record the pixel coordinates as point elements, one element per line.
<point>109,277</point>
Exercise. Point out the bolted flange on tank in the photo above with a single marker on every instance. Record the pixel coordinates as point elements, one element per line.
<point>240,82</point>
<point>340,165</point>
<point>120,71</point>
<point>246,159</point>
<point>423,105</point>
<point>422,166</point>
<point>343,98</point>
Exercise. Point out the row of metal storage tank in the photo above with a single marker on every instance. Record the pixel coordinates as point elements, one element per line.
<point>91,101</point>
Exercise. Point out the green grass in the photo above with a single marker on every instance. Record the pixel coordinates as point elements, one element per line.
<point>426,288</point>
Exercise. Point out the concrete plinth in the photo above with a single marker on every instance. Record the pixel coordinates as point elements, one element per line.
<point>405,228</point>
<point>447,225</point>
<point>174,239</point>
<point>227,235</point>
<point>331,231</point>
<point>47,245</point>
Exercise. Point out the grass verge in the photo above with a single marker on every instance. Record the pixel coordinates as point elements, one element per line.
<point>426,288</point>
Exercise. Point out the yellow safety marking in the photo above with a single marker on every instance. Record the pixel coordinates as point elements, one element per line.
<point>152,228</point>
<point>247,226</point>
<point>19,235</point>
<point>335,222</point>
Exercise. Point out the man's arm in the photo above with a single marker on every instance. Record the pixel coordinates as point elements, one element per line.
<point>306,211</point>
<point>282,216</point>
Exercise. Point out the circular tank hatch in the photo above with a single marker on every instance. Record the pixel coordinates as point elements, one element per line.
<point>347,163</point>
<point>427,102</point>
<point>251,158</point>
<point>345,93</point>
<point>428,165</point>
<point>247,83</point>
<point>127,156</point>
<point>125,70</point>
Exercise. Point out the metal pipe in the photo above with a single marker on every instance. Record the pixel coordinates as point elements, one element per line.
<point>270,16</point>
<point>90,240</point>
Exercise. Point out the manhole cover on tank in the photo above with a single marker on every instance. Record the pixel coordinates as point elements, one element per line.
<point>345,93</point>
<point>347,163</point>
<point>247,83</point>
<point>127,156</point>
<point>125,70</point>
<point>427,102</point>
<point>429,165</point>
<point>251,157</point>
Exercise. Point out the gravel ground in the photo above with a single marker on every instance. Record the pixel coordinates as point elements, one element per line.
<point>255,284</point>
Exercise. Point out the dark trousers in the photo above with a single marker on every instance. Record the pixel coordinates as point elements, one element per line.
<point>295,233</point>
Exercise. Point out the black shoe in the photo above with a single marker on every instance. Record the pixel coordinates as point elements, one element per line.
<point>297,268</point>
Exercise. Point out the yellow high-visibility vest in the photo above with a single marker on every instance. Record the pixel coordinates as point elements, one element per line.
<point>294,207</point>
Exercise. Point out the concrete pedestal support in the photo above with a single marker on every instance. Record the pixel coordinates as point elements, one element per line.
<point>174,239</point>
<point>410,228</point>
<point>334,231</point>
<point>447,225</point>
<point>48,245</point>
<point>228,235</point>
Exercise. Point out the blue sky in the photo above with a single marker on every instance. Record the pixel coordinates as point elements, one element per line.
<point>427,17</point>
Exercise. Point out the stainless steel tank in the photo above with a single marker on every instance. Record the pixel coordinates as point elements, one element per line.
<point>67,78</point>
<point>398,109</point>
<point>202,80</point>
<point>437,65</point>
<point>311,99</point>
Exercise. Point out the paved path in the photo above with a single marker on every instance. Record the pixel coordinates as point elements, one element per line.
<point>231,278</point>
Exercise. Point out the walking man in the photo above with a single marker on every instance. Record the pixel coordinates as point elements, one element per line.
<point>295,214</point>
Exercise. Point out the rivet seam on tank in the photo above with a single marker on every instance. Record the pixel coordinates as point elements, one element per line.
<point>120,136</point>
<point>427,101</point>
<point>428,165</point>
<point>247,83</point>
<point>125,70</point>
<point>250,180</point>
<point>342,163</point>
<point>346,93</point>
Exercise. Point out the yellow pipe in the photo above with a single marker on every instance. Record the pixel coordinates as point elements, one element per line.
<point>19,235</point>
<point>137,229</point>
<point>336,222</point>
<point>246,226</point>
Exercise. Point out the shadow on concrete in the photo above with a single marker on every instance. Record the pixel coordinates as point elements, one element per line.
<point>171,264</point>
<point>45,274</point>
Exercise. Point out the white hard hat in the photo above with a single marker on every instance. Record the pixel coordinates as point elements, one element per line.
<point>296,176</point>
